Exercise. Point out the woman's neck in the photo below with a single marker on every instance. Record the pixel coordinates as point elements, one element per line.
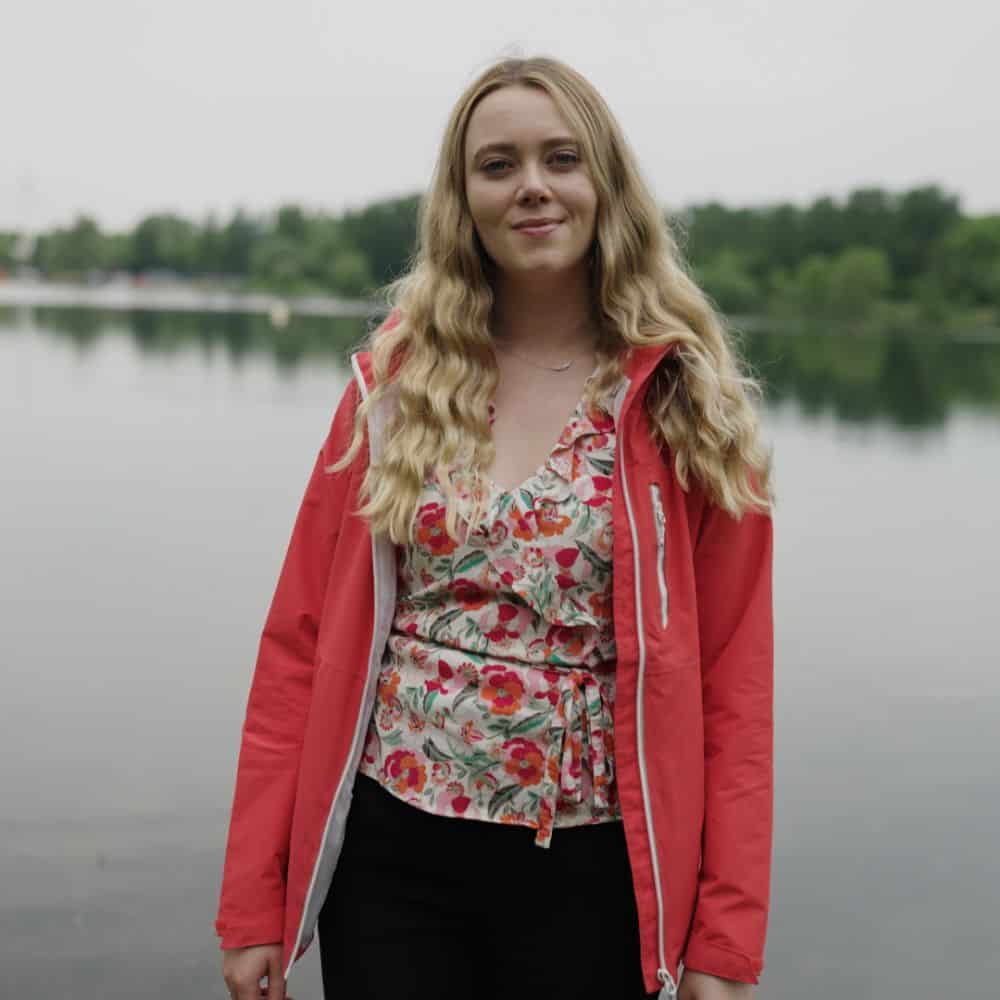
<point>543,314</point>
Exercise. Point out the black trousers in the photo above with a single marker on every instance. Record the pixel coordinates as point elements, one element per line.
<point>425,906</point>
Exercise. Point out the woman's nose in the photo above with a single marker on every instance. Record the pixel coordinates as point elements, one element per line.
<point>533,183</point>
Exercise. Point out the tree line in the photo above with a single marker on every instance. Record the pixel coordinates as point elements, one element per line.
<point>911,254</point>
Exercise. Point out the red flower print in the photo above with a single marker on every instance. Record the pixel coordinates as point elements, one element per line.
<point>445,673</point>
<point>405,769</point>
<point>544,818</point>
<point>431,530</point>
<point>602,483</point>
<point>600,605</point>
<point>552,769</point>
<point>460,803</point>
<point>388,686</point>
<point>533,556</point>
<point>502,689</point>
<point>470,734</point>
<point>560,636</point>
<point>468,593</point>
<point>566,557</point>
<point>523,530</point>
<point>506,613</point>
<point>550,523</point>
<point>513,818</point>
<point>440,772</point>
<point>487,781</point>
<point>551,693</point>
<point>565,581</point>
<point>524,761</point>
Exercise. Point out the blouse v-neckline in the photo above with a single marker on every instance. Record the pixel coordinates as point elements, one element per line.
<point>496,490</point>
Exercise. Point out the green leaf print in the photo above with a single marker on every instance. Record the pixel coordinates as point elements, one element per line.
<point>394,739</point>
<point>603,465</point>
<point>433,752</point>
<point>601,565</point>
<point>469,691</point>
<point>443,622</point>
<point>467,562</point>
<point>526,725</point>
<point>501,798</point>
<point>555,658</point>
<point>527,500</point>
<point>429,701</point>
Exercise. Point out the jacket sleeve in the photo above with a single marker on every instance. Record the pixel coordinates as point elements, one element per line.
<point>733,561</point>
<point>252,895</point>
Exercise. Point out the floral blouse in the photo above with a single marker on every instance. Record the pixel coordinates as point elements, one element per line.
<point>495,691</point>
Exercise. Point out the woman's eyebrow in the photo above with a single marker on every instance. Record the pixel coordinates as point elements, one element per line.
<point>509,147</point>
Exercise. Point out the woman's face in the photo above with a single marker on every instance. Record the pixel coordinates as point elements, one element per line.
<point>524,165</point>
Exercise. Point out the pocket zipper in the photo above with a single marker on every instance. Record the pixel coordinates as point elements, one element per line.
<point>661,550</point>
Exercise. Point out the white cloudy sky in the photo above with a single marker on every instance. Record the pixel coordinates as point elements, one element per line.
<point>122,107</point>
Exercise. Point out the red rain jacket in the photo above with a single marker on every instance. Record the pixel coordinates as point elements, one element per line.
<point>692,715</point>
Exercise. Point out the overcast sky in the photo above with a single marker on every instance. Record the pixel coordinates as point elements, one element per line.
<point>118,108</point>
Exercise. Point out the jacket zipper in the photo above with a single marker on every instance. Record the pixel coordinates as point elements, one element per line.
<point>661,550</point>
<point>669,989</point>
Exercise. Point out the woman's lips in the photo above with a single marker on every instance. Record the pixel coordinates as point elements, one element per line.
<point>542,230</point>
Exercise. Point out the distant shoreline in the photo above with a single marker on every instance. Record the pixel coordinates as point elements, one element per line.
<point>124,294</point>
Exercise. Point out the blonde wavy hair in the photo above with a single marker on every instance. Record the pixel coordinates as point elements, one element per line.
<point>437,349</point>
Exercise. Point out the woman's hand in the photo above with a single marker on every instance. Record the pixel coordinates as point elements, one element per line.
<point>243,969</point>
<point>701,986</point>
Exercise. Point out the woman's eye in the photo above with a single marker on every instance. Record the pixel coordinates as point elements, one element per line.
<point>566,158</point>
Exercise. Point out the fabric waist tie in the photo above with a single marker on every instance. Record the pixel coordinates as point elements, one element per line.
<point>581,709</point>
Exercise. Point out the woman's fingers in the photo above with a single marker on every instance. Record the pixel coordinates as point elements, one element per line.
<point>275,978</point>
<point>244,968</point>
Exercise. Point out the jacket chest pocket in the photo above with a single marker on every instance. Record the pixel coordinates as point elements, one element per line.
<point>660,529</point>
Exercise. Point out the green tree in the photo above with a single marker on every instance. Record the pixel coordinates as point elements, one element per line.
<point>8,248</point>
<point>858,278</point>
<point>727,279</point>
<point>350,275</point>
<point>868,218</point>
<point>238,237</point>
<point>276,262</point>
<point>386,234</point>
<point>811,285</point>
<point>924,216</point>
<point>967,262</point>
<point>74,250</point>
<point>165,242</point>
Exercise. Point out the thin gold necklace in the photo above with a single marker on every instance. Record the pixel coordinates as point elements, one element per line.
<point>558,368</point>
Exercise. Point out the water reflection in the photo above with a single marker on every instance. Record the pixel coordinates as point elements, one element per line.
<point>910,380</point>
<point>152,467</point>
<point>304,339</point>
<point>907,379</point>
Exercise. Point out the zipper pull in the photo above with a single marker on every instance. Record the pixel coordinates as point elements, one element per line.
<point>669,989</point>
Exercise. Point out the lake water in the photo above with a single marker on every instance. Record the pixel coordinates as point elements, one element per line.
<point>152,466</point>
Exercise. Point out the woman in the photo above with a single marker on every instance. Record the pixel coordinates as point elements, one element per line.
<point>510,727</point>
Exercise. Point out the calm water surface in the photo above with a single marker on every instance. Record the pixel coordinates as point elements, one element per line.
<point>152,469</point>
